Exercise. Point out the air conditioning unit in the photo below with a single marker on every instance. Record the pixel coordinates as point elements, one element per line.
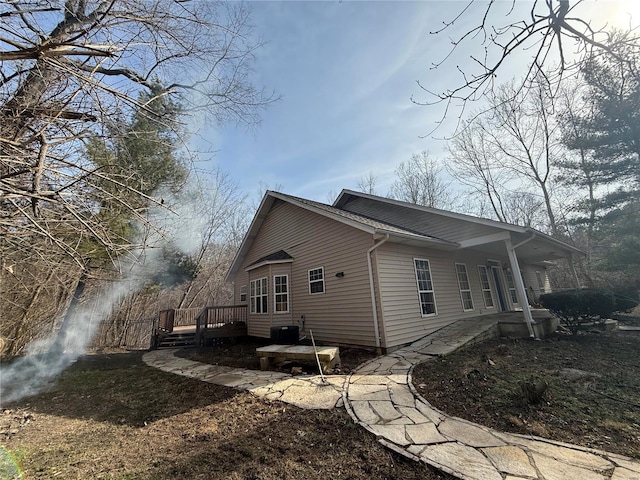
<point>285,335</point>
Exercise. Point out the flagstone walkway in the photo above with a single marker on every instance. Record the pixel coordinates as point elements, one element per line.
<point>306,391</point>
<point>380,396</point>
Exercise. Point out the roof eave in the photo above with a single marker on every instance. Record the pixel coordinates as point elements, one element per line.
<point>256,223</point>
<point>560,243</point>
<point>267,262</point>
<point>261,215</point>
<point>345,194</point>
<point>418,238</point>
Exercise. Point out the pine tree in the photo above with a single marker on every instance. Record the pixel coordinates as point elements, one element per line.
<point>610,126</point>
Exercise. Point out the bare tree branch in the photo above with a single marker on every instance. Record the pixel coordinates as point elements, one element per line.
<point>505,32</point>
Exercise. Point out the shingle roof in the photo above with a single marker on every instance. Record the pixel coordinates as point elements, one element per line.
<point>364,220</point>
<point>273,257</point>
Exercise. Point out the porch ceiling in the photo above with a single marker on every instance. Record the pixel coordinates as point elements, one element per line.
<point>536,250</point>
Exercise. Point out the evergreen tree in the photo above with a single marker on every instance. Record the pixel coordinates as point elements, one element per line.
<point>604,132</point>
<point>137,158</point>
<point>610,125</point>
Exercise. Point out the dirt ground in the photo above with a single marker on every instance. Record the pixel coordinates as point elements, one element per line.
<point>113,417</point>
<point>241,354</point>
<point>593,395</point>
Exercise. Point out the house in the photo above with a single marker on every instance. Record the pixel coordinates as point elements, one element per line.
<point>381,273</point>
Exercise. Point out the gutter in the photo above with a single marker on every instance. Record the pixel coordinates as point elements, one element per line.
<point>376,330</point>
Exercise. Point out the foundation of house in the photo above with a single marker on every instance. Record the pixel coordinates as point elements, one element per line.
<point>544,324</point>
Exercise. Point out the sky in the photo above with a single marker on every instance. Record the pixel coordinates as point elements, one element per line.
<point>347,72</point>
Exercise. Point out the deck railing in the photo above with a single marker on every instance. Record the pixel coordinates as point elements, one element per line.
<point>211,317</point>
<point>166,320</point>
<point>225,321</point>
<point>222,321</point>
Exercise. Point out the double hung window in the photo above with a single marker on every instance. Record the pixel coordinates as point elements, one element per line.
<point>316,280</point>
<point>486,286</point>
<point>243,293</point>
<point>259,296</point>
<point>425,287</point>
<point>465,287</point>
<point>281,293</point>
<point>511,286</point>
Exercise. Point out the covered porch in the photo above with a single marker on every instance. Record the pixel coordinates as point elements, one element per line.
<point>529,247</point>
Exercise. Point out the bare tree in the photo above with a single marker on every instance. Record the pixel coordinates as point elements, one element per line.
<point>524,208</point>
<point>548,33</point>
<point>525,133</point>
<point>512,151</point>
<point>263,187</point>
<point>219,215</point>
<point>331,196</point>
<point>367,183</point>
<point>472,163</point>
<point>419,181</point>
<point>72,72</point>
<point>69,68</point>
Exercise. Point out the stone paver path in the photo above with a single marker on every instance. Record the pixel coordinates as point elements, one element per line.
<point>302,391</point>
<point>379,396</point>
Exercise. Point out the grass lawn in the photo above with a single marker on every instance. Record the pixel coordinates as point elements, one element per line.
<point>113,417</point>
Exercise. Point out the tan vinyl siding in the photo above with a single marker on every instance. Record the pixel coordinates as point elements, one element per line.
<point>342,314</point>
<point>399,295</point>
<point>531,280</point>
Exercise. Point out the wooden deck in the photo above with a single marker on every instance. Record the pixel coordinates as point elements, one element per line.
<point>210,324</point>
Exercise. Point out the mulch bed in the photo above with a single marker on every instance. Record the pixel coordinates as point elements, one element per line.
<point>242,354</point>
<point>593,395</point>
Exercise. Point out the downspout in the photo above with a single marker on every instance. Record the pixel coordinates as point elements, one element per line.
<point>376,330</point>
<point>517,278</point>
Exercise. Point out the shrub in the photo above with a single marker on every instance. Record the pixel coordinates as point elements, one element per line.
<point>577,307</point>
<point>626,299</point>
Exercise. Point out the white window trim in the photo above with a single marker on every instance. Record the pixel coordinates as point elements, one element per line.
<point>324,286</point>
<point>484,299</point>
<point>466,272</point>
<point>541,282</point>
<point>254,311</point>
<point>243,291</point>
<point>432,291</point>
<point>275,294</point>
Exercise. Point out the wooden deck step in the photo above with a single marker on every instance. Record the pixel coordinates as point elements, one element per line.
<point>178,339</point>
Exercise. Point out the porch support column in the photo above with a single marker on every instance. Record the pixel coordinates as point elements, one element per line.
<point>572,267</point>
<point>520,289</point>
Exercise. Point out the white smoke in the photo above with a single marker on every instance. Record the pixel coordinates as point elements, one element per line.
<point>35,371</point>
